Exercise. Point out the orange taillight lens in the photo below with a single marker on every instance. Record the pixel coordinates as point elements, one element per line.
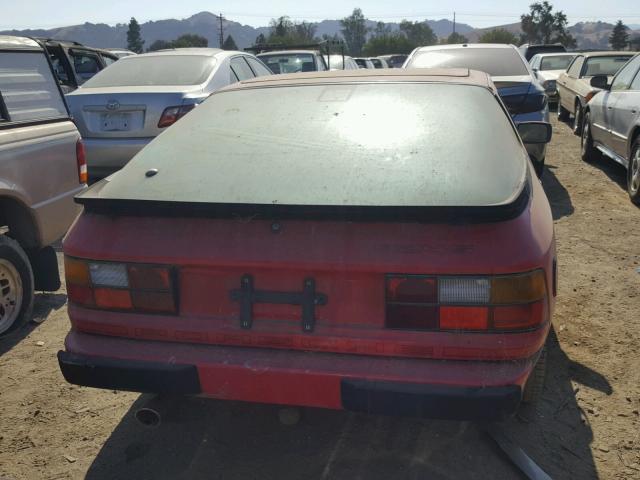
<point>81,158</point>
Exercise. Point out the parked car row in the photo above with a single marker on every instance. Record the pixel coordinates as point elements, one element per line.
<point>601,91</point>
<point>259,221</point>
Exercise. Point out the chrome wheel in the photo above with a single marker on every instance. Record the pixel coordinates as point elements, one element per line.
<point>585,138</point>
<point>11,293</point>
<point>634,184</point>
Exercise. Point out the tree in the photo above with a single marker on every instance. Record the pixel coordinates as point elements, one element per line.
<point>542,25</point>
<point>456,38</point>
<point>418,34</point>
<point>229,44</point>
<point>159,45</point>
<point>190,40</point>
<point>619,39</point>
<point>134,40</point>
<point>260,40</point>
<point>387,44</point>
<point>498,35</point>
<point>286,32</point>
<point>354,31</point>
<point>381,30</point>
<point>634,43</point>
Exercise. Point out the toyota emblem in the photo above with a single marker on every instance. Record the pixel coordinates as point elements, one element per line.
<point>113,105</point>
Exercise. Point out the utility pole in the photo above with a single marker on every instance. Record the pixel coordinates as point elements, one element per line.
<point>221,31</point>
<point>454,22</point>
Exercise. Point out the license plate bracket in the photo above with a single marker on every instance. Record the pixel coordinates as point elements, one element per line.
<point>115,122</point>
<point>308,298</point>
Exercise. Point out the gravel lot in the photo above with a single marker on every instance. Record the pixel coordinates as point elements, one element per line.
<point>587,426</point>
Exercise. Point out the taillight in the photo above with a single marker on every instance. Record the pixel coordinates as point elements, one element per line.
<point>172,114</point>
<point>81,160</point>
<point>466,303</point>
<point>120,286</point>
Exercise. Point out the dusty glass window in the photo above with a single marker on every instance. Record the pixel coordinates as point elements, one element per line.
<point>139,71</point>
<point>335,145</point>
<point>28,88</point>
<point>497,62</point>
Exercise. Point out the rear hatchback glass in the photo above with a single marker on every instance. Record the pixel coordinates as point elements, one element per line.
<point>604,65</point>
<point>140,71</point>
<point>497,62</point>
<point>336,145</point>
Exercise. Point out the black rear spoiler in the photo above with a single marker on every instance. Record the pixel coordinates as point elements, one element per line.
<point>419,214</point>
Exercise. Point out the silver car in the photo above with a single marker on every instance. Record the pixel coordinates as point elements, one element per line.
<point>547,67</point>
<point>124,107</point>
<point>612,123</point>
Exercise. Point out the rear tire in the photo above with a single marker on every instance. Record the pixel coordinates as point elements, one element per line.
<point>533,389</point>
<point>16,286</point>
<point>577,120</point>
<point>633,173</point>
<point>589,152</point>
<point>563,113</point>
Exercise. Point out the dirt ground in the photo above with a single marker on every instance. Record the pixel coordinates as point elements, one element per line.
<point>587,426</point>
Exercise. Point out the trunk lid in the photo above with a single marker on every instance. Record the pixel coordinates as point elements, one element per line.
<point>119,113</point>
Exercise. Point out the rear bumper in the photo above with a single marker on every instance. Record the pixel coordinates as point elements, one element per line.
<point>107,155</point>
<point>379,385</point>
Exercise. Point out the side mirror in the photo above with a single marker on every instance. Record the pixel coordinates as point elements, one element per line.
<point>535,132</point>
<point>600,81</point>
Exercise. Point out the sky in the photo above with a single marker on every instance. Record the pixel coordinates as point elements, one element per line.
<point>23,14</point>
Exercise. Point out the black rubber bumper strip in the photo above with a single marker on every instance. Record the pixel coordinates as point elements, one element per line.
<point>131,375</point>
<point>429,401</point>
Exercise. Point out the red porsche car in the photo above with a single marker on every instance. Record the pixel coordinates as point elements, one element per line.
<point>371,241</point>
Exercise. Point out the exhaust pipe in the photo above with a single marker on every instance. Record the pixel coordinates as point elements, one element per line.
<point>153,412</point>
<point>148,417</point>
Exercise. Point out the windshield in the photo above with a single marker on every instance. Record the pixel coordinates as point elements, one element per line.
<point>289,62</point>
<point>605,65</point>
<point>497,62</point>
<point>396,138</point>
<point>560,62</point>
<point>141,70</point>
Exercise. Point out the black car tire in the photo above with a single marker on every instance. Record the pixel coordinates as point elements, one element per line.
<point>633,170</point>
<point>533,389</point>
<point>563,113</point>
<point>577,119</point>
<point>16,286</point>
<point>589,152</point>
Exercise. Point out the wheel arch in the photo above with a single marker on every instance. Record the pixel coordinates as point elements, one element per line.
<point>635,135</point>
<point>18,218</point>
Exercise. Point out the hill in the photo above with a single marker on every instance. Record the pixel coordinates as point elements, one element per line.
<point>205,24</point>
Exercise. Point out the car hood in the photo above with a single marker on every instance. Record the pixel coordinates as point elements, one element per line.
<point>549,74</point>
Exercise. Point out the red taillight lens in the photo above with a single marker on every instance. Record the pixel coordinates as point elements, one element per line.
<point>467,303</point>
<point>464,318</point>
<point>81,160</point>
<point>119,286</point>
<point>412,289</point>
<point>172,114</point>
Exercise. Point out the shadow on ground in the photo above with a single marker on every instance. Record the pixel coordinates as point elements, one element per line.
<point>616,172</point>
<point>214,439</point>
<point>43,305</point>
<point>558,196</point>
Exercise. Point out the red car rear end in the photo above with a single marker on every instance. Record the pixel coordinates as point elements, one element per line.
<point>435,310</point>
